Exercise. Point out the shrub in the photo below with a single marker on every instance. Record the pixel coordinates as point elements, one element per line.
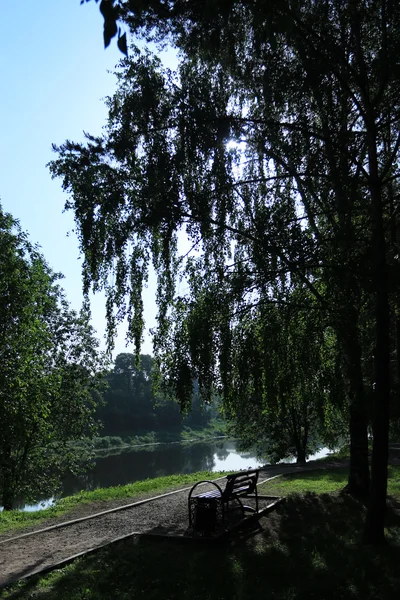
<point>115,441</point>
<point>103,442</point>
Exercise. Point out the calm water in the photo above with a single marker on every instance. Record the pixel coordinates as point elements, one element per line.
<point>157,461</point>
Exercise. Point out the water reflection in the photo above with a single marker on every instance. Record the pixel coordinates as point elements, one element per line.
<point>132,465</point>
<point>159,461</point>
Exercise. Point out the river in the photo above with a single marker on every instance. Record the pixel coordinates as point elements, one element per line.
<point>136,464</point>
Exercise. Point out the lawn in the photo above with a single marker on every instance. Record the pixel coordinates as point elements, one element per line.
<point>321,482</point>
<point>308,549</point>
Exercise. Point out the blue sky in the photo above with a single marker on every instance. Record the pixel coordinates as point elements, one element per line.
<point>54,74</point>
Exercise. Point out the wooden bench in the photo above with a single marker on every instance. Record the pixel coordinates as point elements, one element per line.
<point>209,509</point>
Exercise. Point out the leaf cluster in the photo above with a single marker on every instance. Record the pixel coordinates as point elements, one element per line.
<point>50,369</point>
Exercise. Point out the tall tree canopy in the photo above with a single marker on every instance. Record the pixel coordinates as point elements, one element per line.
<point>132,406</point>
<point>304,199</point>
<point>49,370</point>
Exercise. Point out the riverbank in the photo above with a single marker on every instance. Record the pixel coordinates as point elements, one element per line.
<point>309,548</point>
<point>85,503</point>
<point>216,429</point>
<point>127,465</point>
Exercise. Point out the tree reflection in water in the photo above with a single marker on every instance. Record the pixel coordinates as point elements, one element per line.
<point>151,461</point>
<point>159,461</point>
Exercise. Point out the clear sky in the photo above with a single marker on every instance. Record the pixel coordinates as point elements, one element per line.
<point>54,74</point>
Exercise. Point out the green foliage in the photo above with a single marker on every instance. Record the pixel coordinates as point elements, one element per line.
<point>131,403</point>
<point>198,337</point>
<point>105,444</point>
<point>50,371</point>
<point>275,148</point>
<point>101,443</point>
<point>286,393</point>
<point>110,11</point>
<point>164,165</point>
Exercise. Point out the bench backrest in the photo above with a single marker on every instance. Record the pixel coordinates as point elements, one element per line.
<point>241,484</point>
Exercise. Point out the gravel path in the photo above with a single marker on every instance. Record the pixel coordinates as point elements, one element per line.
<point>27,554</point>
<point>167,515</point>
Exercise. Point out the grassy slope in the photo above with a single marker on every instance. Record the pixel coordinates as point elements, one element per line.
<point>308,549</point>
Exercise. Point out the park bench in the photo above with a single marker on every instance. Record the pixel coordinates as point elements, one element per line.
<point>209,510</point>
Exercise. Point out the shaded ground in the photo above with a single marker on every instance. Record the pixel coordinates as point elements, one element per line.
<point>307,550</point>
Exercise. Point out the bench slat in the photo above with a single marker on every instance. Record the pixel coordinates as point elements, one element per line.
<point>238,484</point>
<point>211,494</point>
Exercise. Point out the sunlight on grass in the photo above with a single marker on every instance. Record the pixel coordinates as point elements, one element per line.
<point>321,482</point>
<point>394,481</point>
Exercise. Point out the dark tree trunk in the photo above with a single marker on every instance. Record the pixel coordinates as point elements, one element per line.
<point>359,479</point>
<point>7,495</point>
<point>394,250</point>
<point>397,325</point>
<point>7,503</point>
<point>301,456</point>
<point>375,521</point>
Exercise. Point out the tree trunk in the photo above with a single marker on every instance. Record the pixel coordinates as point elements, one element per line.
<point>301,456</point>
<point>7,495</point>
<point>375,521</point>
<point>7,502</point>
<point>359,479</point>
<point>358,482</point>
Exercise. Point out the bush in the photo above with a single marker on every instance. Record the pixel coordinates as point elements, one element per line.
<point>103,442</point>
<point>115,441</point>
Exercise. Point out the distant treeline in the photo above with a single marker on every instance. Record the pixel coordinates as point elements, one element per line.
<point>130,405</point>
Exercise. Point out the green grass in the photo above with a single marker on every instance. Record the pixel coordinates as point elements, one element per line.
<point>321,482</point>
<point>309,549</point>
<point>15,519</point>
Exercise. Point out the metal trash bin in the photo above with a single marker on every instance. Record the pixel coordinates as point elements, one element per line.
<point>205,515</point>
<point>206,511</point>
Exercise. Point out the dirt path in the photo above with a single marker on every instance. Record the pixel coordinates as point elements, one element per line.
<point>23,556</point>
